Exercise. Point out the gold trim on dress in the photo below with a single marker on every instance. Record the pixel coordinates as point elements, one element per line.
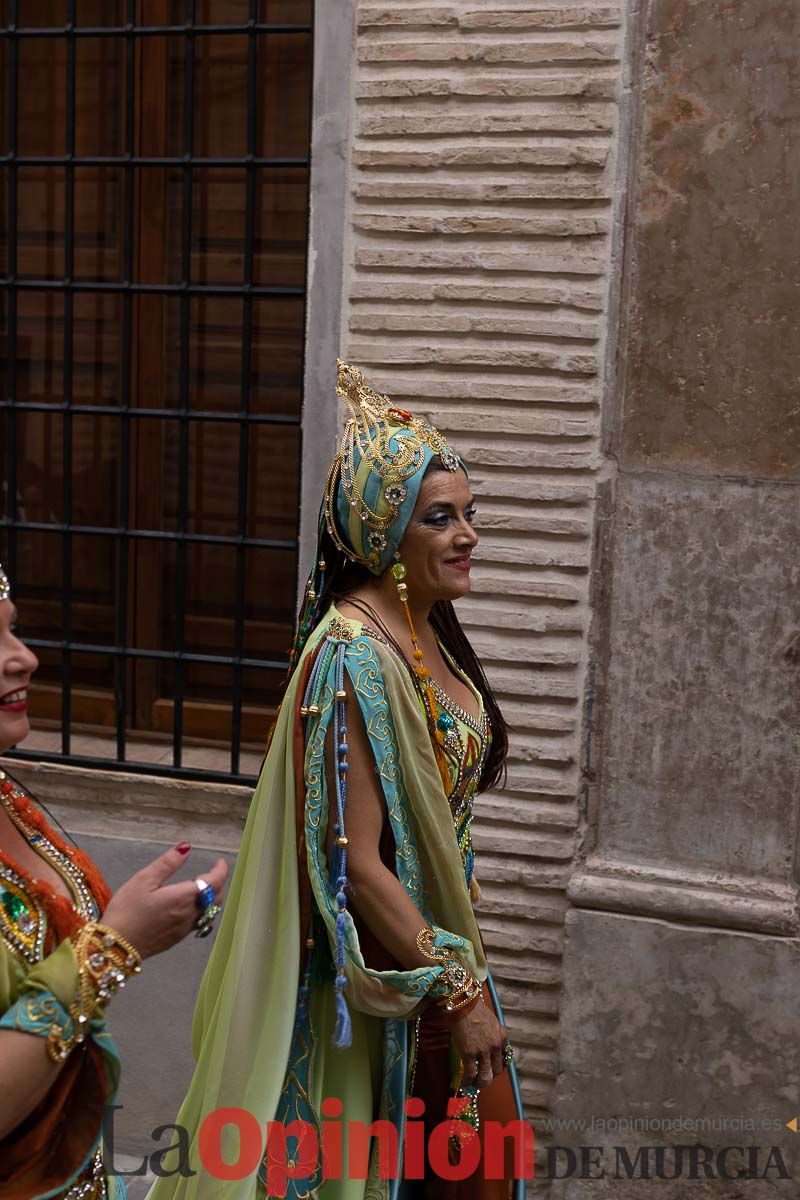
<point>83,900</point>
<point>22,920</point>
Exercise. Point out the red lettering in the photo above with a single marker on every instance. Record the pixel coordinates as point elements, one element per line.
<point>439,1150</point>
<point>210,1138</point>
<point>494,1149</point>
<point>283,1166</point>
<point>332,1153</point>
<point>414,1140</point>
<point>359,1137</point>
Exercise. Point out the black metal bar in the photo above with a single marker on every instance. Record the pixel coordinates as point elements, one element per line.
<point>95,31</point>
<point>219,660</point>
<point>183,379</point>
<point>155,289</point>
<point>66,432</point>
<point>132,768</point>
<point>123,543</point>
<point>244,430</point>
<point>116,410</point>
<point>148,160</point>
<point>158,535</point>
<point>11,347</point>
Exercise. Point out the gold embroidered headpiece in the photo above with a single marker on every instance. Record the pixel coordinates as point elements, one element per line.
<point>375,477</point>
<point>5,586</point>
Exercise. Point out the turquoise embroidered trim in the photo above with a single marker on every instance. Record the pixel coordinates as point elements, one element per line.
<point>295,1105</point>
<point>365,672</point>
<point>36,1013</point>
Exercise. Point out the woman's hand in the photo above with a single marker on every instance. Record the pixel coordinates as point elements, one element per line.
<point>480,1039</point>
<point>153,917</point>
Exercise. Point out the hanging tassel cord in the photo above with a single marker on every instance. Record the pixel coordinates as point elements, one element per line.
<point>343,1031</point>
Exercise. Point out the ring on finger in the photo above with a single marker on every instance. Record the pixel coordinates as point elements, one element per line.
<point>206,894</point>
<point>205,922</point>
<point>508,1054</point>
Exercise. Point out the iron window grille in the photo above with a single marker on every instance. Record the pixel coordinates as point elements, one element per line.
<point>12,286</point>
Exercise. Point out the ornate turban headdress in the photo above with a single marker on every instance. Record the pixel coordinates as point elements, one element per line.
<point>375,476</point>
<point>372,485</point>
<point>5,586</point>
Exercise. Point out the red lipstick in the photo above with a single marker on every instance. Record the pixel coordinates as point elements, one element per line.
<point>14,702</point>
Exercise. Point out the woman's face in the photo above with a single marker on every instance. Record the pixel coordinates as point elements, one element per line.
<point>17,664</point>
<point>440,538</point>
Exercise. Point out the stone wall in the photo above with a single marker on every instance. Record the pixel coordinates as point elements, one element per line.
<point>681,959</point>
<point>477,263</point>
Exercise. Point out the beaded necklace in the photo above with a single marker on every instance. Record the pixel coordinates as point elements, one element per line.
<point>449,711</point>
<point>422,683</point>
<point>24,902</point>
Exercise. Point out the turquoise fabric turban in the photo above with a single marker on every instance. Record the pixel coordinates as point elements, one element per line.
<point>376,475</point>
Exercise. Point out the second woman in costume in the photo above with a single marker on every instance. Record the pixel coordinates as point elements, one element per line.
<point>66,946</point>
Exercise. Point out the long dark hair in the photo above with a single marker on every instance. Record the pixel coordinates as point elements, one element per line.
<point>343,577</point>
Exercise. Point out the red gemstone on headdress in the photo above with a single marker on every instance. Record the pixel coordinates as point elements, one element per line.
<point>6,787</point>
<point>401,415</point>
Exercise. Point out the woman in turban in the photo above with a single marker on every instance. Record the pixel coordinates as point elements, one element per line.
<point>348,983</point>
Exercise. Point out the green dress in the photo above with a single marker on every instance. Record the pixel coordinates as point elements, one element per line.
<point>263,1046</point>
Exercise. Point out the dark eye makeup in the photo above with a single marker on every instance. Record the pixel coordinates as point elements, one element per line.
<point>438,516</point>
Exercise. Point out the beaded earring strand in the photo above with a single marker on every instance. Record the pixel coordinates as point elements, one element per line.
<point>435,714</point>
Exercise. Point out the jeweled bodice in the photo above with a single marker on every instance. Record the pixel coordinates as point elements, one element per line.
<point>32,914</point>
<point>466,743</point>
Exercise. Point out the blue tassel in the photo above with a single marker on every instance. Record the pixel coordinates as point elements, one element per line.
<point>343,1029</point>
<point>340,920</point>
<point>302,1006</point>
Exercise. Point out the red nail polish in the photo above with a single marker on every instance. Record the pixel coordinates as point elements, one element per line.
<point>183,847</point>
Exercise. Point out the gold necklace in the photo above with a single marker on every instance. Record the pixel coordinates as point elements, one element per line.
<point>82,898</point>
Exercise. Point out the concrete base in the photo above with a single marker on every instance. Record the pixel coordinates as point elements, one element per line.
<point>676,1035</point>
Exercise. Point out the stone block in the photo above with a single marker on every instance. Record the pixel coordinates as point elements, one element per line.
<point>572,16</point>
<point>712,316</point>
<point>685,1031</point>
<point>701,762</point>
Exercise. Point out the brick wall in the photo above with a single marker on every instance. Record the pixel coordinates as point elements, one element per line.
<point>476,278</point>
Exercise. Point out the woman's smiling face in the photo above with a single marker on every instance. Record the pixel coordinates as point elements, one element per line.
<point>17,664</point>
<point>440,537</point>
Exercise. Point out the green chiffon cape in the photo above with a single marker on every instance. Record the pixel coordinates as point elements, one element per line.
<point>254,1049</point>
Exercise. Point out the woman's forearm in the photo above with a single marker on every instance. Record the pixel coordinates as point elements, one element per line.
<point>382,902</point>
<point>26,1076</point>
